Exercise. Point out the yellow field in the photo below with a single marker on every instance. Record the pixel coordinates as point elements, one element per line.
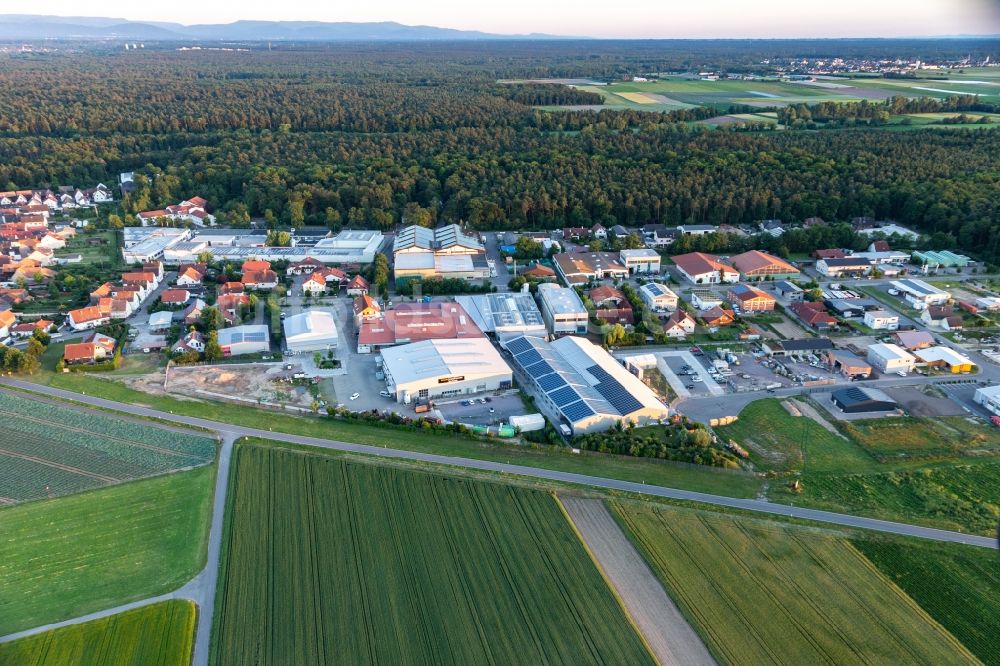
<point>638,98</point>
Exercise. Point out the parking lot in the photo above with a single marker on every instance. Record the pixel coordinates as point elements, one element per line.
<point>485,410</point>
<point>688,374</point>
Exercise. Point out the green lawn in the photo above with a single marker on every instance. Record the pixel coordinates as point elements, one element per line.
<point>838,474</point>
<point>75,555</point>
<point>616,467</point>
<point>328,560</point>
<point>958,585</point>
<point>106,253</point>
<point>894,437</point>
<point>761,592</point>
<point>156,635</point>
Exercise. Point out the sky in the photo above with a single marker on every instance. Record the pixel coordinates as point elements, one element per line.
<point>617,19</point>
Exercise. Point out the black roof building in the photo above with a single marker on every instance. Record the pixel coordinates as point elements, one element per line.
<point>855,400</point>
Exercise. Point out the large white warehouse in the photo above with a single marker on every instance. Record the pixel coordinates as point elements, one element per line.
<point>580,385</point>
<point>444,368</point>
<point>312,330</point>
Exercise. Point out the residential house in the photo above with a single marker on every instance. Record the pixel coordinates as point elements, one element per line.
<point>358,286</point>
<point>696,229</point>
<point>658,297</point>
<point>259,279</point>
<point>658,235</point>
<point>193,341</point>
<point>304,267</point>
<point>175,297</point>
<point>718,316</point>
<point>192,313</point>
<point>814,315</point>
<point>881,320</point>
<point>701,268</point>
<point>679,324</point>
<point>191,275</point>
<point>7,321</point>
<point>80,353</point>
<point>773,228</point>
<point>942,317</point>
<point>599,232</point>
<point>747,299</point>
<point>25,329</point>
<point>231,306</point>
<point>89,317</point>
<point>576,233</point>
<point>611,305</point>
<point>324,280</point>
<point>365,308</point>
<point>231,288</point>
<point>539,273</point>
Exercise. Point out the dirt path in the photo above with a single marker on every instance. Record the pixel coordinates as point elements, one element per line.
<point>667,633</point>
<point>813,413</point>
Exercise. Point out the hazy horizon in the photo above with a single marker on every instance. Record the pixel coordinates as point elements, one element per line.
<point>632,19</point>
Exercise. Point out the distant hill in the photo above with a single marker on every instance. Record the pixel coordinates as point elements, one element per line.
<point>27,26</point>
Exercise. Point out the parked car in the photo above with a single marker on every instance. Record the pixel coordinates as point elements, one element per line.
<point>355,396</point>
<point>385,394</point>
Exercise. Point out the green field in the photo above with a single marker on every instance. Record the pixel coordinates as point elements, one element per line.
<point>328,560</point>
<point>958,585</point>
<point>615,467</point>
<point>48,450</point>
<point>890,438</point>
<point>156,635</point>
<point>760,592</point>
<point>838,474</point>
<point>100,247</point>
<point>74,555</point>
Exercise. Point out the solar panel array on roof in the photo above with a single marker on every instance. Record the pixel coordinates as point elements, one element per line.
<point>529,357</point>
<point>564,396</point>
<point>577,411</point>
<point>255,337</point>
<point>519,345</point>
<point>614,392</point>
<point>551,382</point>
<point>536,370</point>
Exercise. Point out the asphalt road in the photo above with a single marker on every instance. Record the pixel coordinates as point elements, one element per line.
<point>758,506</point>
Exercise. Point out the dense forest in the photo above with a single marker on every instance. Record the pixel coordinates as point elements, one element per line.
<point>375,136</point>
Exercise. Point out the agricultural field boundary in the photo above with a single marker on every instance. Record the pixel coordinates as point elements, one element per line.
<point>759,506</point>
<point>656,617</point>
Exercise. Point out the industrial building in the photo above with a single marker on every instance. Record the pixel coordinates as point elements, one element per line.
<point>582,387</point>
<point>504,315</point>
<point>940,259</point>
<point>746,298</point>
<point>852,266</point>
<point>658,296</point>
<point>890,358</point>
<point>562,310</point>
<point>797,347</point>
<point>447,252</point>
<point>856,400</point>
<point>644,260</point>
<point>249,339</point>
<point>944,357</point>
<point>919,294</point>
<point>582,267</point>
<point>414,322</point>
<point>351,246</point>
<point>312,330</point>
<point>881,320</point>
<point>436,369</point>
<point>848,365</point>
<point>757,265</point>
<point>701,268</point>
<point>989,398</point>
<point>789,290</point>
<point>143,244</point>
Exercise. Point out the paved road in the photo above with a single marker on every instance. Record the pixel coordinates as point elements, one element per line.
<point>665,629</point>
<point>533,472</point>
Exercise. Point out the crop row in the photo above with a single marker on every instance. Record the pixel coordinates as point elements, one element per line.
<point>380,565</point>
<point>23,480</point>
<point>54,416</point>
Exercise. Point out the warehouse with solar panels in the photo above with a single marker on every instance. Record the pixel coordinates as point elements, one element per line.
<point>578,384</point>
<point>249,339</point>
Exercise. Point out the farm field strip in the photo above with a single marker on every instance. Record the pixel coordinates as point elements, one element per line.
<point>766,593</point>
<point>71,556</point>
<point>381,565</point>
<point>958,587</point>
<point>45,454</point>
<point>159,634</point>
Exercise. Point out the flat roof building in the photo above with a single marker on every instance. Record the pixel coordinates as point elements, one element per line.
<point>248,339</point>
<point>415,322</point>
<point>580,385</point>
<point>890,358</point>
<point>989,398</point>
<point>944,357</point>
<point>504,315</point>
<point>644,260</point>
<point>312,330</point>
<point>919,294</point>
<point>436,369</point>
<point>562,310</point>
<point>582,267</point>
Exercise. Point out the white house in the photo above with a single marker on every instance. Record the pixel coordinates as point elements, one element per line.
<point>881,320</point>
<point>679,325</point>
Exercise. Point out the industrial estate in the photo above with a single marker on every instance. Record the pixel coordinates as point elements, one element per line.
<point>258,418</point>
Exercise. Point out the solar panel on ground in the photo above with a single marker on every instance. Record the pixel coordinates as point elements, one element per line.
<point>550,382</point>
<point>528,357</point>
<point>564,396</point>
<point>613,391</point>
<point>519,345</point>
<point>577,410</point>
<point>539,369</point>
